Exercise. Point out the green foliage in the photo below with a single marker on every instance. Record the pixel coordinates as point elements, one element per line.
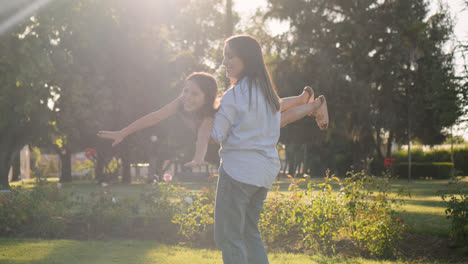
<point>39,212</point>
<point>423,170</point>
<point>381,66</point>
<point>162,199</point>
<point>25,69</point>
<point>196,221</point>
<point>372,220</point>
<point>104,214</point>
<point>317,218</point>
<point>83,166</point>
<point>460,156</point>
<point>456,201</point>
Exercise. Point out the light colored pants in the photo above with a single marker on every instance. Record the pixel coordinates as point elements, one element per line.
<point>237,212</point>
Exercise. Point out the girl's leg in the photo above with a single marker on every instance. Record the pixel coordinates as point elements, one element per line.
<point>321,115</point>
<point>305,97</point>
<point>298,112</point>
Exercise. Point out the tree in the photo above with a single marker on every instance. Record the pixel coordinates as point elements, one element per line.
<point>24,92</point>
<point>380,64</point>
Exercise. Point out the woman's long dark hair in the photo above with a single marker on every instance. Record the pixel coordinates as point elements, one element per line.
<point>249,51</point>
<point>207,84</point>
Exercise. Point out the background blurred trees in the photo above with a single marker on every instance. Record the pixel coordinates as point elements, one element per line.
<point>381,66</point>
<point>78,67</point>
<point>103,64</point>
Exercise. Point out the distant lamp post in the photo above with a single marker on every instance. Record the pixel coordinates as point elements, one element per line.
<point>153,159</point>
<point>415,55</point>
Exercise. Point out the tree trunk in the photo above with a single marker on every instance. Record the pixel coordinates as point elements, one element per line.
<point>65,160</point>
<point>126,177</point>
<point>98,170</point>
<point>389,144</point>
<point>16,168</point>
<point>378,145</point>
<point>228,30</point>
<point>8,151</point>
<point>4,169</point>
<point>409,149</point>
<point>229,21</point>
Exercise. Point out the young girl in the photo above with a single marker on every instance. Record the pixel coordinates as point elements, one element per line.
<point>196,107</point>
<point>247,126</point>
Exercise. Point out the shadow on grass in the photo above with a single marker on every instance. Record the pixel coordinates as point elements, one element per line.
<point>427,203</point>
<point>68,251</point>
<point>426,223</point>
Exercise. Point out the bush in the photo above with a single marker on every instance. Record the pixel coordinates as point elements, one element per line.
<point>196,220</point>
<point>434,170</point>
<point>456,201</point>
<point>103,214</point>
<point>371,217</point>
<point>39,212</point>
<point>460,156</point>
<point>319,220</point>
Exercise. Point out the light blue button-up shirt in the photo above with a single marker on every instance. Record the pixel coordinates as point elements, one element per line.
<point>248,135</point>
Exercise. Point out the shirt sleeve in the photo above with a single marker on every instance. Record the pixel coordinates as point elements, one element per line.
<point>225,118</point>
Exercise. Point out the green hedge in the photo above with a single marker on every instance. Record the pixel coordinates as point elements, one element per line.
<point>460,156</point>
<point>434,170</point>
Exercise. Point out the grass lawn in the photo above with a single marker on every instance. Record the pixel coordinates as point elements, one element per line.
<point>22,251</point>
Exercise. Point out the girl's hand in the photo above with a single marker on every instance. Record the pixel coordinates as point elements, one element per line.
<point>195,164</point>
<point>117,136</point>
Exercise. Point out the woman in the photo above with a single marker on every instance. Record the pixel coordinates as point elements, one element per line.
<point>247,126</point>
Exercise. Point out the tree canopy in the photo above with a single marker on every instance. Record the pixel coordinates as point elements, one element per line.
<point>77,67</point>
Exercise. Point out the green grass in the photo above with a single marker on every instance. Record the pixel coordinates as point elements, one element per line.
<point>31,251</point>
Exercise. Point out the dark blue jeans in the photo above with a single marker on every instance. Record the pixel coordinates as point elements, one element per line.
<point>237,212</point>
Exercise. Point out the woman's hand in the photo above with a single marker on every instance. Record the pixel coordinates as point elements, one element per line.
<point>117,136</point>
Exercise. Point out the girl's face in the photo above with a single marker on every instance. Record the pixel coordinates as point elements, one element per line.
<point>234,65</point>
<point>192,97</point>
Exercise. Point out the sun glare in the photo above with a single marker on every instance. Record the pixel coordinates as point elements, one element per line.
<point>17,17</point>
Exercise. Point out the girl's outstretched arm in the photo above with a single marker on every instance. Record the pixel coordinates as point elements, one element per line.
<point>201,146</point>
<point>148,120</point>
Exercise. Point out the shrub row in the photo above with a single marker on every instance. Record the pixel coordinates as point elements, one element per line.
<point>460,156</point>
<point>421,170</point>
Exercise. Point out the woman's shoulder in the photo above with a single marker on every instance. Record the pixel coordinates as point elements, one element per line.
<point>244,84</point>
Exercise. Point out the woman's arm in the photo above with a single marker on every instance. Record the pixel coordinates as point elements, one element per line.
<point>148,120</point>
<point>201,146</point>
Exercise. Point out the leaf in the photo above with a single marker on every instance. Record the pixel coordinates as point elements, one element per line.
<point>59,142</point>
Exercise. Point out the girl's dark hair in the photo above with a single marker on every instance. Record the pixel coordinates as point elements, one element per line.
<point>207,84</point>
<point>249,51</point>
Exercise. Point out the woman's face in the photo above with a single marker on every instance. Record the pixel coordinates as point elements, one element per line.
<point>192,97</point>
<point>234,65</point>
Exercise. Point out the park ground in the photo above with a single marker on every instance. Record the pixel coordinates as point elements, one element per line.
<point>424,211</point>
